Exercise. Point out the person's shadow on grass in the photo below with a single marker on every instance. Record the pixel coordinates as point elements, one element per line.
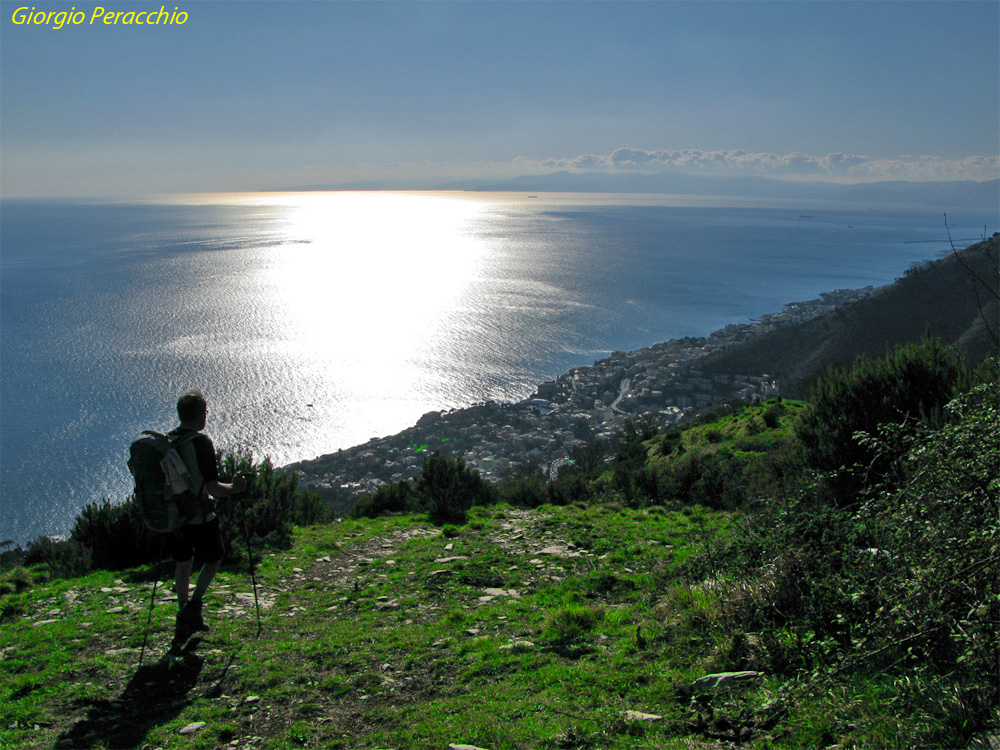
<point>155,695</point>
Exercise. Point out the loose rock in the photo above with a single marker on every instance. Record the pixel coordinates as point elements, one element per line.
<point>517,646</point>
<point>640,716</point>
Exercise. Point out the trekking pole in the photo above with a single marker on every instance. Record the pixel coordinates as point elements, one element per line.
<point>253,573</point>
<point>152,601</point>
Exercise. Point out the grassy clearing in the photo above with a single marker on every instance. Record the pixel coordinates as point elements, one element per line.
<point>519,629</point>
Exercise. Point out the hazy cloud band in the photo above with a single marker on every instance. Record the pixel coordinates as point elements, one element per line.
<point>840,166</point>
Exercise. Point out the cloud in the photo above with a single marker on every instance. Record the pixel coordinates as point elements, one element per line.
<point>736,162</point>
<point>840,167</point>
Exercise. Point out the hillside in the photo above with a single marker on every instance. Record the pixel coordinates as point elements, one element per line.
<point>954,299</point>
<point>614,621</point>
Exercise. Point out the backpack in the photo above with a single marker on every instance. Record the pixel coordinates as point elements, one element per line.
<point>167,498</point>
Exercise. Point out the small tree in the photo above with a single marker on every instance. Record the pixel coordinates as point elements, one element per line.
<point>389,498</point>
<point>447,488</point>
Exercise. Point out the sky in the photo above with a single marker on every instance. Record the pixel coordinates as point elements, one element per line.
<point>263,95</point>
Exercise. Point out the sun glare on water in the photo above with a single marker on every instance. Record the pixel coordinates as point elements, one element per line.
<point>360,284</point>
<point>383,265</point>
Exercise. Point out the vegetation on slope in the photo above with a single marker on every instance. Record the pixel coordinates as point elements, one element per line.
<point>594,610</point>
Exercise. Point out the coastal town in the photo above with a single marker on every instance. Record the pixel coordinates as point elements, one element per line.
<point>576,408</point>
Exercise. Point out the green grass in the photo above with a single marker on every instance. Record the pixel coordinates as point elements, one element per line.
<point>381,650</point>
<point>545,628</point>
<point>754,428</point>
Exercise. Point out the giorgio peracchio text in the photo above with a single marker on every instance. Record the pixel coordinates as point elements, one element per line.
<point>31,16</point>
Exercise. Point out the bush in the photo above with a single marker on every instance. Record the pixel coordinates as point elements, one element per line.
<point>389,498</point>
<point>447,488</point>
<point>900,590</point>
<point>630,447</point>
<point>570,489</point>
<point>115,535</point>
<point>585,461</point>
<point>941,529</point>
<point>525,492</point>
<point>272,504</point>
<point>62,559</point>
<point>772,417</point>
<point>633,481</point>
<point>910,386</point>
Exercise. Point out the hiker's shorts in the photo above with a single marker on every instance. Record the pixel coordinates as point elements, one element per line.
<point>203,539</point>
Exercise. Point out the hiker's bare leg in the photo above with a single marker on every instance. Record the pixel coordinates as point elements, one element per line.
<point>205,578</point>
<point>182,581</point>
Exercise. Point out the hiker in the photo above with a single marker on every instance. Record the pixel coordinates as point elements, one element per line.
<point>200,534</point>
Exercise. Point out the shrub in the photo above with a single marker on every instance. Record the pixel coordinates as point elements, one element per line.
<point>525,486</point>
<point>115,535</point>
<point>272,504</point>
<point>447,488</point>
<point>633,481</point>
<point>570,489</point>
<point>62,559</point>
<point>586,460</point>
<point>910,386</point>
<point>941,528</point>
<point>630,447</point>
<point>525,491</point>
<point>773,415</point>
<point>637,486</point>
<point>389,498</point>
<point>901,590</point>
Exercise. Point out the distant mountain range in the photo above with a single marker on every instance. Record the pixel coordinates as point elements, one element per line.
<point>957,195</point>
<point>954,299</point>
<point>943,196</point>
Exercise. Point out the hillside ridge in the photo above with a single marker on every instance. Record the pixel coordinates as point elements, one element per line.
<point>953,298</point>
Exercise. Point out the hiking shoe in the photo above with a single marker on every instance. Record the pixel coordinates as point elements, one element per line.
<point>191,617</point>
<point>182,631</point>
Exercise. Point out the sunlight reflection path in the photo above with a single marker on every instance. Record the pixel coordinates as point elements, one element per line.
<point>359,290</point>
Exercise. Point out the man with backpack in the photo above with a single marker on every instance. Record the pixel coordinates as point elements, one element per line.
<point>199,534</point>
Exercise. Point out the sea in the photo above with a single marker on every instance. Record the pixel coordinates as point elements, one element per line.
<point>315,321</point>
